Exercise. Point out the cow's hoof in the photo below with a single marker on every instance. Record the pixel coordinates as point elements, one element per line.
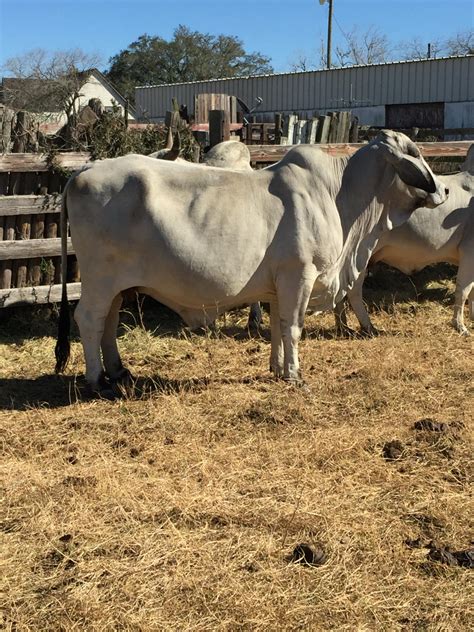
<point>369,332</point>
<point>102,392</point>
<point>101,389</point>
<point>124,384</point>
<point>107,393</point>
<point>277,371</point>
<point>461,329</point>
<point>346,332</point>
<point>124,378</point>
<point>295,381</point>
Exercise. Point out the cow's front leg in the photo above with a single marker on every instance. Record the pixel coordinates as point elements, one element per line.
<point>464,290</point>
<point>356,301</point>
<point>277,353</point>
<point>293,292</point>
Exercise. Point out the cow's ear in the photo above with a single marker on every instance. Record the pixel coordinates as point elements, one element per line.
<point>414,173</point>
<point>406,159</point>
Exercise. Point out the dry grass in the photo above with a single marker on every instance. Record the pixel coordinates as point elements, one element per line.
<point>178,510</point>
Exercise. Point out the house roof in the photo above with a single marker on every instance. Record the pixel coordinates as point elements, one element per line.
<point>41,95</point>
<point>111,87</point>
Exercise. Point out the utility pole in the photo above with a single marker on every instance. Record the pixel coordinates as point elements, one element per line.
<point>328,53</point>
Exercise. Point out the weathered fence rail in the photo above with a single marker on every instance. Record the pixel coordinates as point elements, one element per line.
<point>30,203</point>
<point>273,153</point>
<point>25,163</point>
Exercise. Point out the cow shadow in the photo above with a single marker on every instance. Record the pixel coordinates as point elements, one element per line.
<point>53,391</point>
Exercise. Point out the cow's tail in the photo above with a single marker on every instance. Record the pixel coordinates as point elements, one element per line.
<point>62,349</point>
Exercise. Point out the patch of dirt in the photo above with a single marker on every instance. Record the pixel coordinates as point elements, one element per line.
<point>308,554</point>
<point>393,450</point>
<point>429,424</point>
<point>444,555</point>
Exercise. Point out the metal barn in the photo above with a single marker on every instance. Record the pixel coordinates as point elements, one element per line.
<point>425,93</point>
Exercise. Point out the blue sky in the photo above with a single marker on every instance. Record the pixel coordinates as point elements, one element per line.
<point>280,29</point>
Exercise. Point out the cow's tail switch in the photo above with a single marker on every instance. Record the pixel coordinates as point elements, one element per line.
<point>62,345</point>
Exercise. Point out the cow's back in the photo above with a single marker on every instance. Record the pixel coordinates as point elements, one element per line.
<point>430,235</point>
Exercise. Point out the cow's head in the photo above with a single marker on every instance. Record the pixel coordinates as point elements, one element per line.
<point>468,164</point>
<point>405,158</point>
<point>229,154</point>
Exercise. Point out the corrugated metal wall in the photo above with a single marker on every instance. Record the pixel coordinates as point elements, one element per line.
<point>447,80</point>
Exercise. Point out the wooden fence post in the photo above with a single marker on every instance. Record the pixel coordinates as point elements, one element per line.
<point>278,130</point>
<point>322,133</point>
<point>219,126</point>
<point>312,130</point>
<point>289,128</point>
<point>354,131</point>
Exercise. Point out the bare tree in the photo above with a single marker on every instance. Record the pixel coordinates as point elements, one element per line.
<point>462,43</point>
<point>304,61</point>
<point>42,81</point>
<point>367,47</point>
<point>417,48</point>
<point>360,48</point>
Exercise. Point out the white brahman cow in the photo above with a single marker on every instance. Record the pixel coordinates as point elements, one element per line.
<point>204,240</point>
<point>445,235</point>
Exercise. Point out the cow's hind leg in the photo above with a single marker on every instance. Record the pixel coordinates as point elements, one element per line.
<point>464,290</point>
<point>255,317</point>
<point>112,361</point>
<point>340,315</point>
<point>277,353</point>
<point>91,314</point>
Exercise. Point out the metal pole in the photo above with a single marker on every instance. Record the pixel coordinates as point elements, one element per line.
<point>329,35</point>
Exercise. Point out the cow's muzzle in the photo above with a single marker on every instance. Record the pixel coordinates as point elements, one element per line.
<point>438,197</point>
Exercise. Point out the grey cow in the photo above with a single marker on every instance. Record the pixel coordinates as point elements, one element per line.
<point>445,235</point>
<point>204,240</point>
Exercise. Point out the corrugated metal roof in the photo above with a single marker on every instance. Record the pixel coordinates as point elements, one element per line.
<point>446,80</point>
<point>305,72</point>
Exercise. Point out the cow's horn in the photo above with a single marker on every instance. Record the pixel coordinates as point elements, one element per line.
<point>169,139</point>
<point>175,150</point>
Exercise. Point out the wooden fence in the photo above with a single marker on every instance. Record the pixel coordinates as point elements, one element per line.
<point>292,129</point>
<point>30,235</point>
<point>30,203</point>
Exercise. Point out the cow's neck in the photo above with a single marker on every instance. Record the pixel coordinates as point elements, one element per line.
<point>363,217</point>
